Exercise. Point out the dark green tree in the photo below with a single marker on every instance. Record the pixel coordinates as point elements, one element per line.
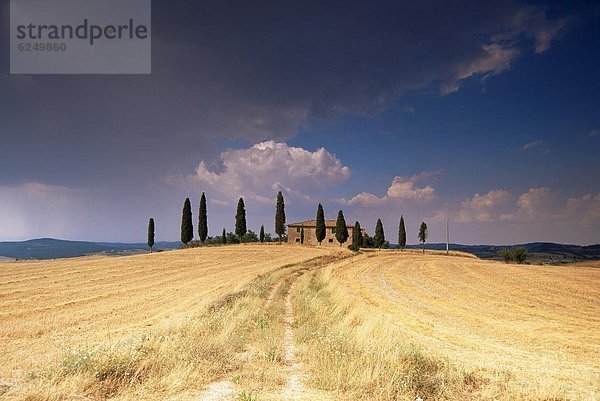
<point>506,254</point>
<point>423,234</point>
<point>262,234</point>
<point>519,254</point>
<point>151,233</point>
<point>187,227</point>
<point>302,235</point>
<point>368,241</point>
<point>232,238</point>
<point>240,220</point>
<point>202,220</point>
<point>401,234</point>
<point>224,237</point>
<point>341,230</point>
<point>321,229</point>
<point>250,236</point>
<point>280,216</point>
<point>357,238</point>
<point>379,237</point>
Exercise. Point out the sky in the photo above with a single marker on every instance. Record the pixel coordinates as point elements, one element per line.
<point>483,113</point>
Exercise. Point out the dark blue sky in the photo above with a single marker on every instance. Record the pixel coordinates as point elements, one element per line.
<point>485,114</point>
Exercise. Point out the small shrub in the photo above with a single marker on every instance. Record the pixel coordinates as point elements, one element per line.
<point>505,254</point>
<point>517,255</point>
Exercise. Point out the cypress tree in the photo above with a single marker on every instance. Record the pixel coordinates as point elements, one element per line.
<point>224,238</point>
<point>357,238</point>
<point>401,234</point>
<point>341,230</point>
<point>262,234</point>
<point>321,229</point>
<point>187,227</point>
<point>202,220</point>
<point>151,233</point>
<point>423,234</point>
<point>302,235</point>
<point>280,216</point>
<point>379,237</point>
<point>240,220</point>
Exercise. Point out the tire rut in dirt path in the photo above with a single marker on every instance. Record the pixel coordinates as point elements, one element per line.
<point>294,388</point>
<point>219,391</point>
<point>272,293</point>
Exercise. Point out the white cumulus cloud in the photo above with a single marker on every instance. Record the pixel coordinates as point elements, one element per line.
<point>537,202</point>
<point>263,169</point>
<point>484,208</point>
<point>585,209</point>
<point>401,188</point>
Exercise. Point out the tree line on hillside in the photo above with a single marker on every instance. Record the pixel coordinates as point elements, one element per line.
<point>243,235</point>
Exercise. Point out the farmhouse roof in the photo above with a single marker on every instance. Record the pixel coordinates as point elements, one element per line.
<point>312,223</point>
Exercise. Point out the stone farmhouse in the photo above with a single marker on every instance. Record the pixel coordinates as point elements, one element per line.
<point>309,227</point>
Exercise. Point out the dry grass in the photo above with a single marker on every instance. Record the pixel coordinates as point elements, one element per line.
<point>374,326</point>
<point>354,354</point>
<point>95,326</point>
<point>487,330</point>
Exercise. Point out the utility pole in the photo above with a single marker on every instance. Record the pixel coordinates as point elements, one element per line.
<point>447,237</point>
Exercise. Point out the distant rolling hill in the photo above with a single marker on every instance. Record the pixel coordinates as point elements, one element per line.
<point>49,248</point>
<point>538,251</point>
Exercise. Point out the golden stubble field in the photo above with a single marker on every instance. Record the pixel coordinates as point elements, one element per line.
<point>535,328</point>
<point>255,322</point>
<point>47,307</point>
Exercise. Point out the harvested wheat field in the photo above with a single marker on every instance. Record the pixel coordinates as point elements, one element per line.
<point>272,323</point>
<point>48,308</point>
<point>515,331</point>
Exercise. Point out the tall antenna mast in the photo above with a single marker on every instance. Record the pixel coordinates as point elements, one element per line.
<point>447,236</point>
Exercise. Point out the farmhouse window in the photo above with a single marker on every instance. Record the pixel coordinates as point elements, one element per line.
<point>331,240</point>
<point>297,229</point>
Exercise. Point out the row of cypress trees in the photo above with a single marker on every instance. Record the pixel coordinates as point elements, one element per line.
<point>241,228</point>
<point>379,237</point>
<point>187,226</point>
<point>341,232</point>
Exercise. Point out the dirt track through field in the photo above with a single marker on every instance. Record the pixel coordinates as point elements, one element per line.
<point>293,374</point>
<point>224,390</point>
